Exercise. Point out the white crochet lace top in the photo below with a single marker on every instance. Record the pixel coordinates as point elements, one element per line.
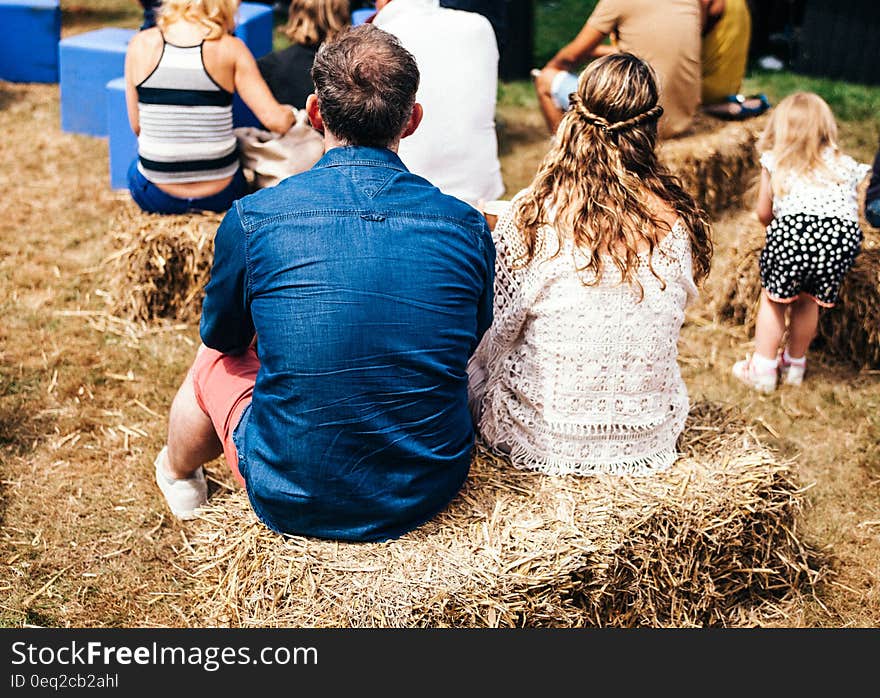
<point>584,379</point>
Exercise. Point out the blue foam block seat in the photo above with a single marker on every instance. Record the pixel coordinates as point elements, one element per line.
<point>361,15</point>
<point>31,31</point>
<point>123,142</point>
<point>255,26</point>
<point>87,62</point>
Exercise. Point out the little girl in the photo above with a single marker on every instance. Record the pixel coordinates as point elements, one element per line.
<point>808,202</point>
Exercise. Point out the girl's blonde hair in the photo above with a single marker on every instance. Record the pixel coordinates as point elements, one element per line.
<point>800,129</point>
<point>592,182</point>
<point>312,22</point>
<point>217,16</point>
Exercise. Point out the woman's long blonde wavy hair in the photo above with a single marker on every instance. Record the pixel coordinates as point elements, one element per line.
<point>312,22</point>
<point>800,129</point>
<point>217,16</point>
<point>592,184</point>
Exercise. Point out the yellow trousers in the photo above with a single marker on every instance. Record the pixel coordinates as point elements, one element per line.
<point>726,52</point>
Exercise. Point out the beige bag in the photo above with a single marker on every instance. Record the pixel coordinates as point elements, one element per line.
<point>271,157</point>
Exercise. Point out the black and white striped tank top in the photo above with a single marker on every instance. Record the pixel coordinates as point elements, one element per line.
<point>186,121</point>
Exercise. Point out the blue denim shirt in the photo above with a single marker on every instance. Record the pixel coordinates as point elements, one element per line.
<point>369,290</point>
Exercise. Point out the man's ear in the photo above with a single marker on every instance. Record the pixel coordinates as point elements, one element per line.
<point>314,112</point>
<point>414,120</point>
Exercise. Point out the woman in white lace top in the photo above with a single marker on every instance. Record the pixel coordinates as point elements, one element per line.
<point>596,261</point>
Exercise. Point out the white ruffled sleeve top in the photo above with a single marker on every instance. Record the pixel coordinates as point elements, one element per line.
<point>830,192</point>
<point>584,379</point>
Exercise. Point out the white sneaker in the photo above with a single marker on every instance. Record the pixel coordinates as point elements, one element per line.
<point>184,496</point>
<point>763,381</point>
<point>792,373</point>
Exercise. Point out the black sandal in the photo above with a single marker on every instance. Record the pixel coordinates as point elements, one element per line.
<point>744,111</point>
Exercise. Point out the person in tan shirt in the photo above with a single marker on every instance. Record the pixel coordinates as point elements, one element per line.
<point>665,33</point>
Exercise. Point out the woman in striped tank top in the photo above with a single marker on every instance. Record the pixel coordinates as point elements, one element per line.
<point>180,77</point>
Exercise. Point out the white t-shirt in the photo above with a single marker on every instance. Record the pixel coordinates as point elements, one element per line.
<point>830,193</point>
<point>455,147</point>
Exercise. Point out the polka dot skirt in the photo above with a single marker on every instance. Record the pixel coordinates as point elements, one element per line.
<point>808,254</point>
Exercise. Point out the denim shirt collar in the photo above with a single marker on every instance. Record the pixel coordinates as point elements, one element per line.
<point>360,155</point>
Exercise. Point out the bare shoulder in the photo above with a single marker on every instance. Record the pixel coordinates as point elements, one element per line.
<point>145,40</point>
<point>143,53</point>
<point>663,211</point>
<point>230,47</point>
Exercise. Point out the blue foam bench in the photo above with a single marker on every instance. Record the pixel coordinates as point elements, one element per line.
<point>123,142</point>
<point>361,15</point>
<point>255,26</point>
<point>31,32</point>
<point>88,62</point>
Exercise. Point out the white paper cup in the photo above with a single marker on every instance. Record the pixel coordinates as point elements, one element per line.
<point>495,207</point>
<point>492,209</point>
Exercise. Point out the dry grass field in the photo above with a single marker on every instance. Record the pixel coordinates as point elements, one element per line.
<point>85,537</point>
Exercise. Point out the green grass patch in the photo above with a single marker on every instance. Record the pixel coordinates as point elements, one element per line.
<point>849,101</point>
<point>519,93</point>
<point>556,23</point>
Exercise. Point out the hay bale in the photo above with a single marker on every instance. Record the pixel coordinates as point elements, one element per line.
<point>718,166</point>
<point>161,264</point>
<point>712,541</point>
<point>849,331</point>
<point>740,290</point>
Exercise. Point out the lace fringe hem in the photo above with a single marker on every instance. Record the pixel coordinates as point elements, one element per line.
<point>642,466</point>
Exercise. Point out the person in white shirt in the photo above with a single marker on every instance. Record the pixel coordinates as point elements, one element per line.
<point>456,147</point>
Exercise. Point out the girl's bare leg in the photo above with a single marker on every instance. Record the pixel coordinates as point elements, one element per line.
<point>769,327</point>
<point>803,324</point>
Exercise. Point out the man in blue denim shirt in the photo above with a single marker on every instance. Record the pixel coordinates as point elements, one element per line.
<point>369,290</point>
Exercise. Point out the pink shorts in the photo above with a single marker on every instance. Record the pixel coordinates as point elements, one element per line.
<point>224,387</point>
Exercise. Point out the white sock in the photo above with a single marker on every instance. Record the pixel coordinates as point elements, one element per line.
<point>162,466</point>
<point>789,359</point>
<point>762,364</point>
<point>165,472</point>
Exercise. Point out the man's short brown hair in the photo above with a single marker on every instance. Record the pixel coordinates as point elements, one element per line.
<point>366,84</point>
